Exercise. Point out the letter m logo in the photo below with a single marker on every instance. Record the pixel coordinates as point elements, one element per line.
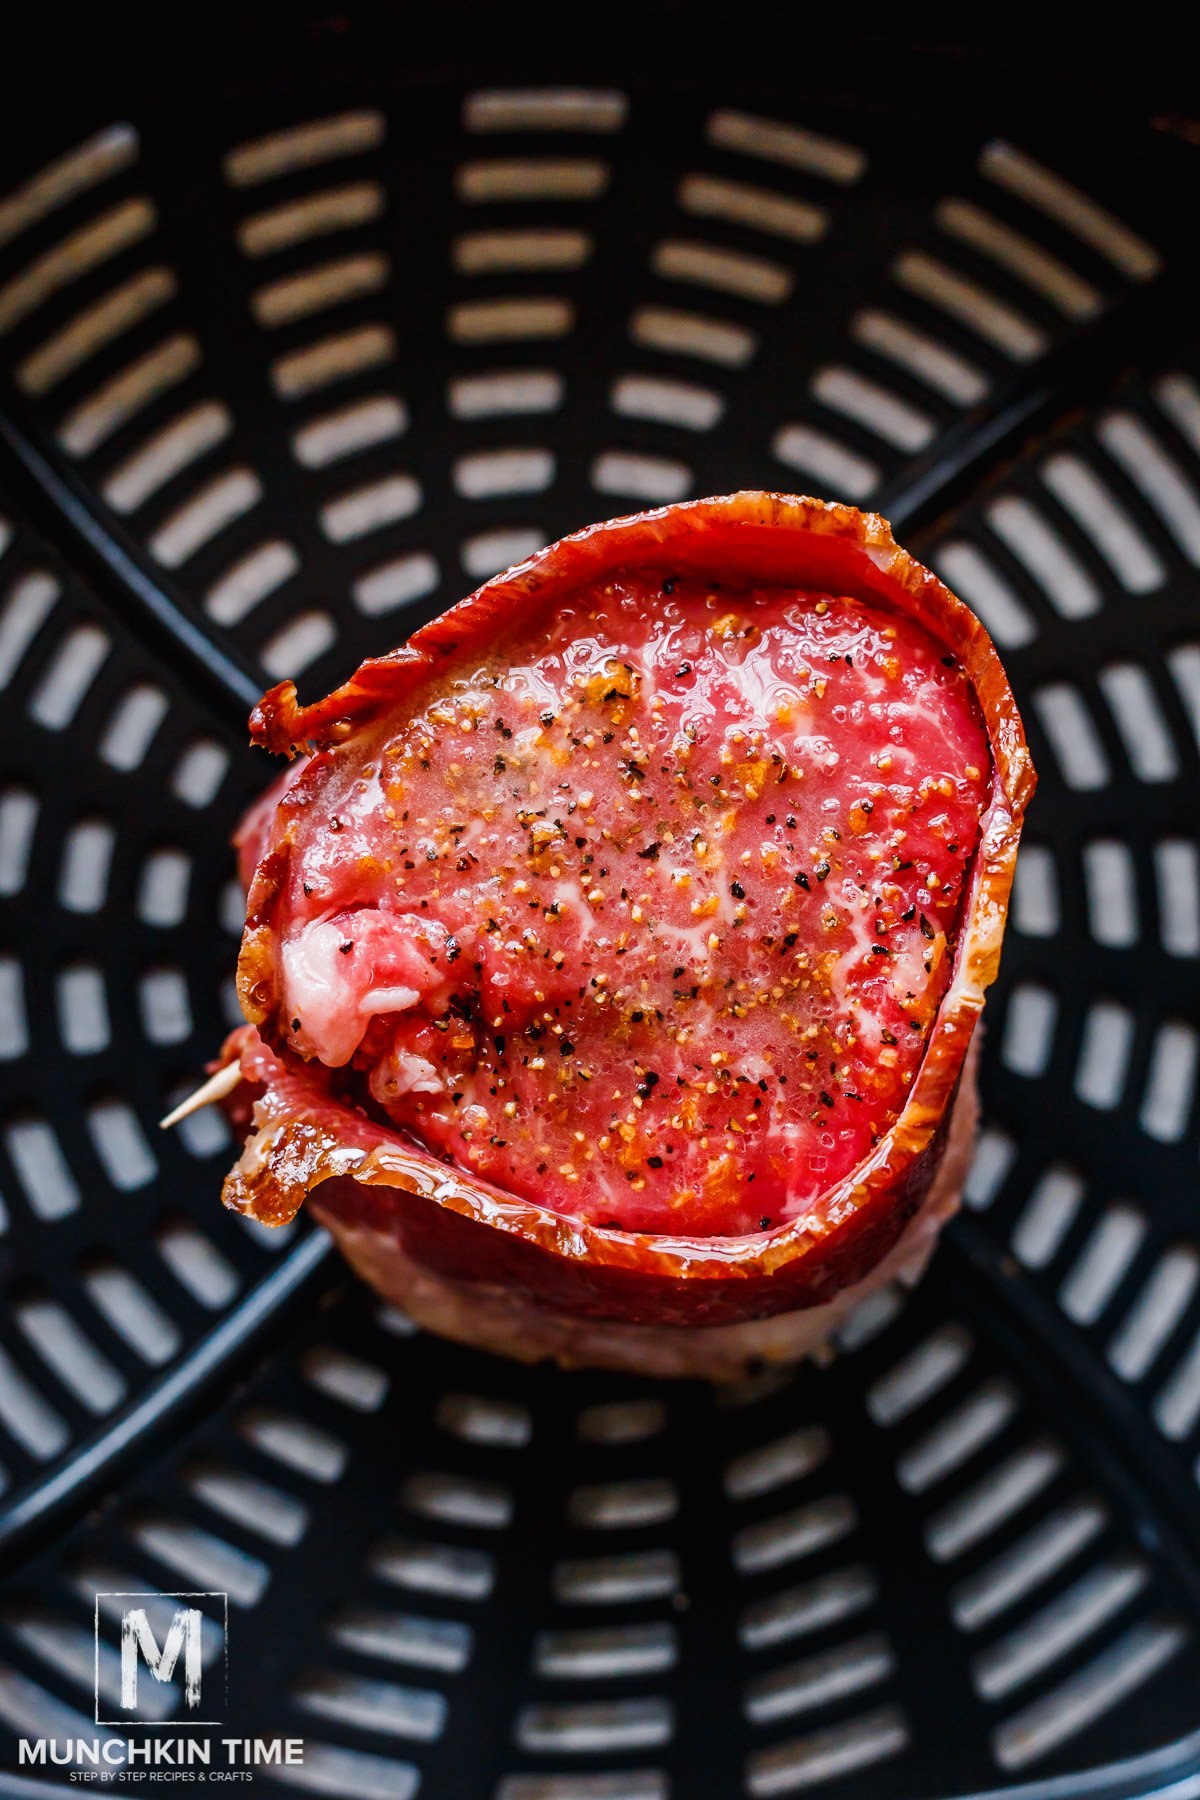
<point>159,1673</point>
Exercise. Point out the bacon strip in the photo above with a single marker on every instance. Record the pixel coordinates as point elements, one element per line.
<point>373,1179</point>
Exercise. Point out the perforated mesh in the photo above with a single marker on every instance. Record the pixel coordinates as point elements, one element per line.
<point>284,377</point>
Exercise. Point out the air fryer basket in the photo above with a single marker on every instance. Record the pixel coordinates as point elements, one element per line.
<point>293,353</point>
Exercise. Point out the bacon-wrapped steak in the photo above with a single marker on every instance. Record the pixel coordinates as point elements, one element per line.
<point>613,957</point>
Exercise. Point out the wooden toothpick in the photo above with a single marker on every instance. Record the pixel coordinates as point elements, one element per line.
<point>215,1088</point>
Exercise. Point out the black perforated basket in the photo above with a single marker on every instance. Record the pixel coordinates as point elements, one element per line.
<point>305,330</point>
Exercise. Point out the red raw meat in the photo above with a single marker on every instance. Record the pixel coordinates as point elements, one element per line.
<point>618,946</point>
